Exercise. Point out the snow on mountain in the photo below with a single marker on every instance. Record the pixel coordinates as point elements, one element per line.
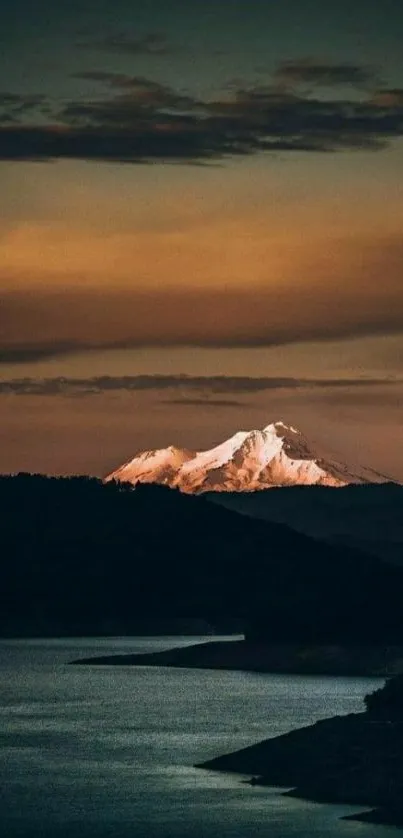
<point>158,466</point>
<point>278,455</point>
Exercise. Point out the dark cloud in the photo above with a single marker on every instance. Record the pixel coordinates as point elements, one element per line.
<point>139,120</point>
<point>204,385</point>
<point>324,73</point>
<point>152,43</point>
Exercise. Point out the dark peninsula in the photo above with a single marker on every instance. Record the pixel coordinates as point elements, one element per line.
<point>355,660</point>
<point>355,759</point>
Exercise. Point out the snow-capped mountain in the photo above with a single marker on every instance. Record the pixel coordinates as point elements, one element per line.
<point>278,455</point>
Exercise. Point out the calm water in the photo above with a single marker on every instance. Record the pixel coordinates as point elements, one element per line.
<point>98,752</point>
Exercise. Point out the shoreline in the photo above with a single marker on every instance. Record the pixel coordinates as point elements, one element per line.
<point>352,760</point>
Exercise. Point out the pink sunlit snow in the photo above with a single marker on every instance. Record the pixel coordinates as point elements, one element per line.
<point>278,455</point>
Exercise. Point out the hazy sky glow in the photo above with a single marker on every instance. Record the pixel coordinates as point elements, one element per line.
<point>200,189</point>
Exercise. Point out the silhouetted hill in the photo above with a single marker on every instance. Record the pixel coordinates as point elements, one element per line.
<point>367,518</point>
<point>83,557</point>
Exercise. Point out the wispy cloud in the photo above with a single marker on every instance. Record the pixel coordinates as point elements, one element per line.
<point>323,73</point>
<point>202,402</point>
<point>150,44</point>
<point>31,352</point>
<point>138,97</point>
<point>388,98</point>
<point>205,386</point>
<point>14,106</point>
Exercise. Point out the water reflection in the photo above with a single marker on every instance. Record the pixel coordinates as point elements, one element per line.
<point>100,752</point>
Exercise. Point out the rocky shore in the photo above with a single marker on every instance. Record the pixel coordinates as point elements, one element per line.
<point>355,759</point>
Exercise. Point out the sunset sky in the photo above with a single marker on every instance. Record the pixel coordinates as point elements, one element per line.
<point>201,227</point>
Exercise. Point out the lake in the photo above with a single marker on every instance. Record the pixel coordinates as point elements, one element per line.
<point>108,752</point>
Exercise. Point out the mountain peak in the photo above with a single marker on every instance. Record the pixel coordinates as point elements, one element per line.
<point>277,455</point>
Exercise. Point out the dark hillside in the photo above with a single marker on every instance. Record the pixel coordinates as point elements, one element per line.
<point>82,557</point>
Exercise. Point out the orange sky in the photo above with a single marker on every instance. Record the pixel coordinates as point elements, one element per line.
<point>245,256</point>
<point>242,256</point>
<point>250,255</point>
